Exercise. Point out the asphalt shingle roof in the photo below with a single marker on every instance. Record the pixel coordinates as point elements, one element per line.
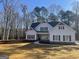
<point>35,25</point>
<point>53,24</point>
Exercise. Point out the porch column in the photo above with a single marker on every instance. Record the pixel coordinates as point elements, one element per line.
<point>35,37</point>
<point>26,36</point>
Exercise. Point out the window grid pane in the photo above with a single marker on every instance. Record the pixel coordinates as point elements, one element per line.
<point>56,37</point>
<point>44,28</point>
<point>67,38</point>
<point>30,37</point>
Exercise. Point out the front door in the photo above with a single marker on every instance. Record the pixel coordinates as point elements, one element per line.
<point>44,37</point>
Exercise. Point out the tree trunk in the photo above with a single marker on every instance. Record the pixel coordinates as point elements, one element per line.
<point>4,34</point>
<point>8,33</point>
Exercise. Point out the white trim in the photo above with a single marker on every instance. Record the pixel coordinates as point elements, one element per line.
<point>67,26</point>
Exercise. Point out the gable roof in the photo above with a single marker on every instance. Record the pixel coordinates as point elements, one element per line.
<point>35,25</point>
<point>53,24</point>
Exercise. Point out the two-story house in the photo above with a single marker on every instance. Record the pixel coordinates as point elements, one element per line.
<point>51,32</point>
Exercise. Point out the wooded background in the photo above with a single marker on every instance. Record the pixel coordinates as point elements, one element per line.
<point>13,25</point>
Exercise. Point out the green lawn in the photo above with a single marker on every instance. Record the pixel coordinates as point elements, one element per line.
<point>32,51</point>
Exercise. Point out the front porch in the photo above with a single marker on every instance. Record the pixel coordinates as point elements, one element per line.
<point>43,36</point>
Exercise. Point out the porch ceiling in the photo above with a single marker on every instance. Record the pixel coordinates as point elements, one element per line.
<point>42,32</point>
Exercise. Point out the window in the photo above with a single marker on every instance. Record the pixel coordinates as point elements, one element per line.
<point>56,37</point>
<point>31,37</point>
<point>61,27</point>
<point>43,28</point>
<point>66,37</point>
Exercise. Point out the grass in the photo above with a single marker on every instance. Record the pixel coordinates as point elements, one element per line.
<point>33,51</point>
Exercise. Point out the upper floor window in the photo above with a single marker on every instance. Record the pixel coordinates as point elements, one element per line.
<point>43,28</point>
<point>61,27</point>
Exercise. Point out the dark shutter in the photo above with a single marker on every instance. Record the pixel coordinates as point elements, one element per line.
<point>59,37</point>
<point>70,38</point>
<point>53,37</point>
<point>63,38</point>
<point>63,27</point>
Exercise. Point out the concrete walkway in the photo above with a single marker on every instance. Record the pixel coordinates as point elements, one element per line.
<point>77,42</point>
<point>4,57</point>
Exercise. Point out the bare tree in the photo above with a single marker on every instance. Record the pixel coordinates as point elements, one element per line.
<point>54,9</point>
<point>9,16</point>
<point>26,17</point>
<point>75,9</point>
